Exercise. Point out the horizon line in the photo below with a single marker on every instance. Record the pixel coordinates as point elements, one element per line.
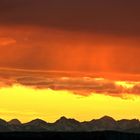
<point>69,118</point>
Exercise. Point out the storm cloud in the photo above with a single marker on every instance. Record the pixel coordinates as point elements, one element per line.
<point>95,37</point>
<point>114,17</point>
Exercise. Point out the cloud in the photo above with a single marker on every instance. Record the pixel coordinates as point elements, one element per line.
<point>100,37</point>
<point>135,89</point>
<point>60,81</point>
<point>112,17</point>
<point>49,49</point>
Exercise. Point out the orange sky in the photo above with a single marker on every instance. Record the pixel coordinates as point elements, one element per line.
<point>41,69</point>
<point>79,73</point>
<point>52,49</point>
<point>82,58</point>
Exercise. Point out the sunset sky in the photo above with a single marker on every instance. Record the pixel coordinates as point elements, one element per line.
<point>73,58</point>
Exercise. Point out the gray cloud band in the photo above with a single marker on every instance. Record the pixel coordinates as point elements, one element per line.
<point>78,85</point>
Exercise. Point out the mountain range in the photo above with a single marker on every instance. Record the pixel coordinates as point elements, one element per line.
<point>64,124</point>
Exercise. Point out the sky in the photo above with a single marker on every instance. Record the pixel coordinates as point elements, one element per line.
<point>70,58</point>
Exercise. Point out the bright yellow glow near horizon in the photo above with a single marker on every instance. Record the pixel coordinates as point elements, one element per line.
<point>27,104</point>
<point>126,84</point>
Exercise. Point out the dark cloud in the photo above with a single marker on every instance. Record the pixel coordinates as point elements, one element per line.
<point>102,16</point>
<point>71,35</point>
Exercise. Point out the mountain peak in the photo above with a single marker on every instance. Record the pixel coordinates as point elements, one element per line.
<point>15,122</point>
<point>63,119</point>
<point>107,118</point>
<point>2,122</point>
<point>37,121</point>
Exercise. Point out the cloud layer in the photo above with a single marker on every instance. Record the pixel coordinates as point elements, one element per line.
<point>115,17</point>
<point>50,49</point>
<point>76,84</point>
<point>70,35</point>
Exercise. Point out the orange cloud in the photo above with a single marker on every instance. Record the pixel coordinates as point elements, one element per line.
<point>77,84</point>
<point>51,49</point>
<point>51,55</point>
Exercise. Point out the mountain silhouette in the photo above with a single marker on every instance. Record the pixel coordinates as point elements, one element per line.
<point>36,125</point>
<point>14,122</point>
<point>104,123</point>
<point>4,126</point>
<point>64,124</point>
<point>128,124</point>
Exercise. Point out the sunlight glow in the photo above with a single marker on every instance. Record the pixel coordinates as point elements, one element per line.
<point>26,104</point>
<point>126,84</point>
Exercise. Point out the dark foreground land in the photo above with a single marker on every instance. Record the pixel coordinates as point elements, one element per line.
<point>106,135</point>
